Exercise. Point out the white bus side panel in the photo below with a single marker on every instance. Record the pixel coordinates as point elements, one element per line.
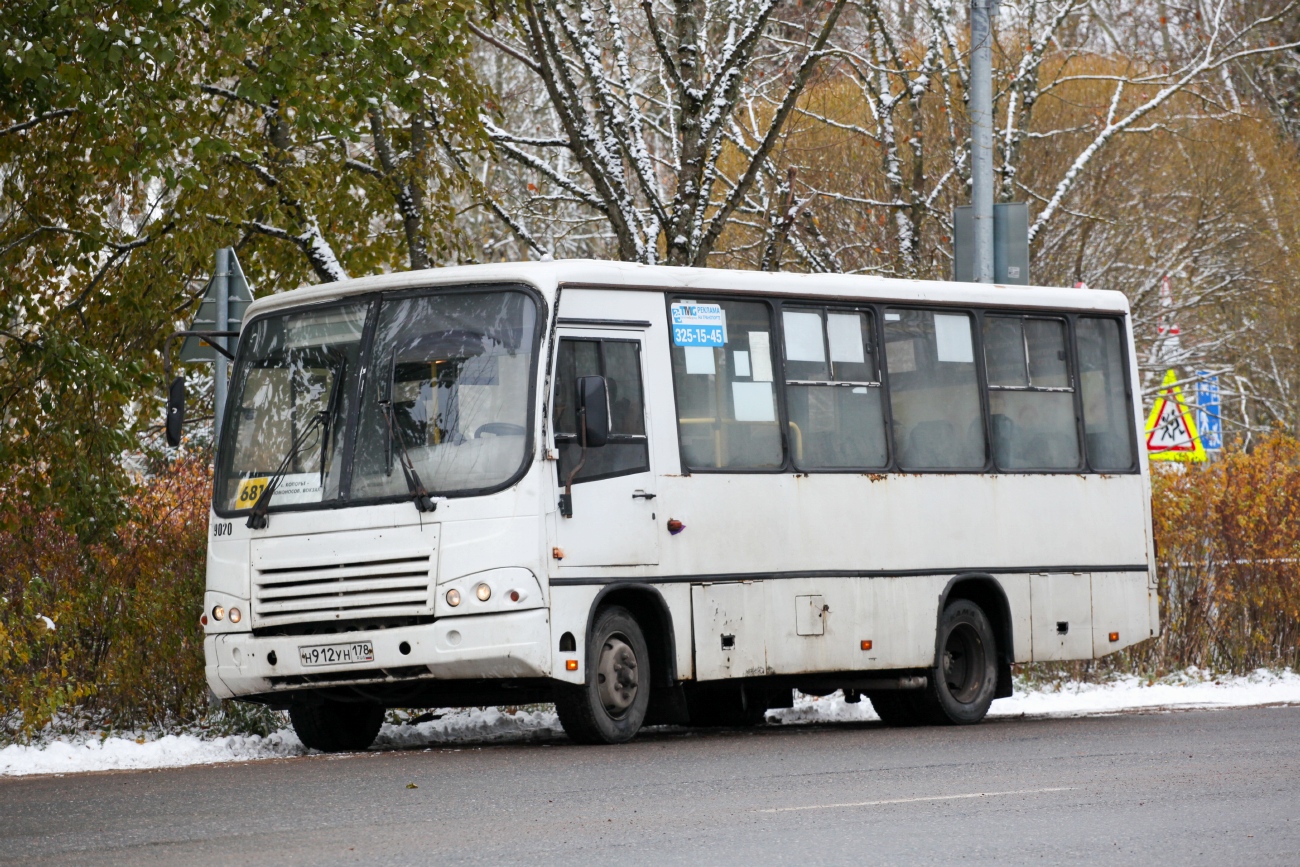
<point>802,625</point>
<point>1121,603</point>
<point>747,523</point>
<point>1062,616</point>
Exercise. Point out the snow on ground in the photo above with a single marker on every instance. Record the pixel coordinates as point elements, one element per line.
<point>477,726</point>
<point>1186,691</point>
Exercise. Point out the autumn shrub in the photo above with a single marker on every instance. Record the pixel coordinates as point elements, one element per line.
<point>1228,547</point>
<point>1228,561</point>
<point>105,631</point>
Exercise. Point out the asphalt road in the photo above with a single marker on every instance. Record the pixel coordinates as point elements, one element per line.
<point>1213,787</point>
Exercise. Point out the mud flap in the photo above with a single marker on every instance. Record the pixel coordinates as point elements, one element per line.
<point>1004,681</point>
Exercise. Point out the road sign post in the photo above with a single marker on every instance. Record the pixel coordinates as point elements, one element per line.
<point>220,314</point>
<point>221,279</point>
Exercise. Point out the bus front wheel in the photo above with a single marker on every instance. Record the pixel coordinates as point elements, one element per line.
<point>610,707</point>
<point>336,727</point>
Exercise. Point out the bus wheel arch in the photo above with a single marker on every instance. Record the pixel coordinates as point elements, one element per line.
<point>985,591</point>
<point>646,604</point>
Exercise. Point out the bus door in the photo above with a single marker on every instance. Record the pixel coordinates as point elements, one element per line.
<point>613,505</point>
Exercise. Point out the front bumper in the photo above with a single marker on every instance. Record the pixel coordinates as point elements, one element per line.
<point>513,645</point>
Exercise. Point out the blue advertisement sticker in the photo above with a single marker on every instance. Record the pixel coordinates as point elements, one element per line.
<point>698,324</point>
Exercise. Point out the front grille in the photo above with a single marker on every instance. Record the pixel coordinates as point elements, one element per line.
<point>348,591</point>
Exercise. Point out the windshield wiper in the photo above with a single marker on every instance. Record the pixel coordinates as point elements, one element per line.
<point>257,519</point>
<point>423,502</point>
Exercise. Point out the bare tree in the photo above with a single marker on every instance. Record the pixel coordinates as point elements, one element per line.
<point>664,114</point>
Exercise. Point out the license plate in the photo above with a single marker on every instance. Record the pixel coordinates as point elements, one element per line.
<point>337,654</point>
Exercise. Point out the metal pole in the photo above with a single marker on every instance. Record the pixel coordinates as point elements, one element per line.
<point>223,323</point>
<point>981,135</point>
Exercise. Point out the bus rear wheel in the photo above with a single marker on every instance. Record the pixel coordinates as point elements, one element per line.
<point>960,686</point>
<point>610,707</point>
<point>336,727</point>
<point>719,706</point>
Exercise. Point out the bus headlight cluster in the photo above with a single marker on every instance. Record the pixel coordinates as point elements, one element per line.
<point>220,613</point>
<point>483,592</point>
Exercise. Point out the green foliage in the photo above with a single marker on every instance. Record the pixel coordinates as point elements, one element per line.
<point>136,138</point>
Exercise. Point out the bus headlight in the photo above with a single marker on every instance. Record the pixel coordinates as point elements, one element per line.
<point>483,592</point>
<point>218,613</point>
<point>235,616</point>
<point>453,597</point>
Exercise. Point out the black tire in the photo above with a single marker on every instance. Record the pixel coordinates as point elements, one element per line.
<point>337,727</point>
<point>610,707</point>
<point>895,707</point>
<point>965,676</point>
<point>733,708</point>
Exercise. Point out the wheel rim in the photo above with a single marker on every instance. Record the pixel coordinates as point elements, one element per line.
<point>616,676</point>
<point>964,663</point>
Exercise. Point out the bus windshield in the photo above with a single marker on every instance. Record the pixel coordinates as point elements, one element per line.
<point>289,368</point>
<point>447,382</point>
<point>449,386</point>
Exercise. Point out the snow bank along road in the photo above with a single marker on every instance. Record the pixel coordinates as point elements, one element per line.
<point>1183,691</point>
<point>1187,787</point>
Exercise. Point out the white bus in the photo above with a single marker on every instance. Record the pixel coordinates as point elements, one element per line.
<point>669,495</point>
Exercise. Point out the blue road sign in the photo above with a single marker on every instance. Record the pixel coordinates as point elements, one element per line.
<point>1209,419</point>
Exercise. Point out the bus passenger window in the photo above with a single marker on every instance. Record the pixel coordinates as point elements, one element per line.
<point>726,401</point>
<point>1031,395</point>
<point>832,389</point>
<point>1106,411</point>
<point>627,449</point>
<point>933,390</point>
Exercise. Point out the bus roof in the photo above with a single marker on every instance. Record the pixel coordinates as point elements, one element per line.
<point>592,273</point>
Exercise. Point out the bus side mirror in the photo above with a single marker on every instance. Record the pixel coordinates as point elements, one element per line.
<point>175,411</point>
<point>593,409</point>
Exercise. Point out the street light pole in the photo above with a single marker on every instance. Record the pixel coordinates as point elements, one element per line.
<point>981,135</point>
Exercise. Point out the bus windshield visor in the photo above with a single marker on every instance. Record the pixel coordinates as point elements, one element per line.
<point>448,387</point>
<point>292,384</point>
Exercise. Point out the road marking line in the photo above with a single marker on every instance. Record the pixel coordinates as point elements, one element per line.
<point>915,800</point>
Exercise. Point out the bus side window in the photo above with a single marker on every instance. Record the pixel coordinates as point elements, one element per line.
<point>933,390</point>
<point>627,449</point>
<point>832,389</point>
<point>1031,394</point>
<point>726,397</point>
<point>1106,410</point>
